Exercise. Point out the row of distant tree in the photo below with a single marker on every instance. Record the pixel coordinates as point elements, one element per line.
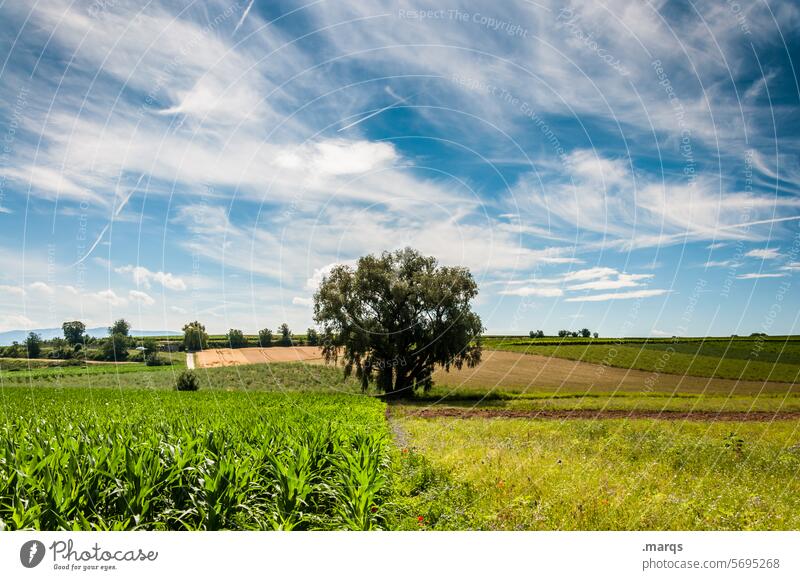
<point>196,338</point>
<point>77,344</point>
<point>583,332</point>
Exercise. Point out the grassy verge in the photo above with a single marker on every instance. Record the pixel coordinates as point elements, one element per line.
<point>629,401</point>
<point>613,474</point>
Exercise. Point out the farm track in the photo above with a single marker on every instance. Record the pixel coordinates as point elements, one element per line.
<point>587,414</point>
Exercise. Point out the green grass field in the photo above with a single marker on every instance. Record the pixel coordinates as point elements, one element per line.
<point>273,377</point>
<point>770,359</point>
<point>297,446</point>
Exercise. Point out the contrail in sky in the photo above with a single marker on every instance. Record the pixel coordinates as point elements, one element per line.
<point>115,214</point>
<point>244,15</point>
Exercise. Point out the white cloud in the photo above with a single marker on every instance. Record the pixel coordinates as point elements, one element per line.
<point>618,296</point>
<point>110,297</point>
<point>589,274</point>
<point>178,310</point>
<point>51,183</point>
<point>622,281</point>
<point>764,254</point>
<point>15,321</point>
<point>759,275</point>
<point>595,278</point>
<point>300,301</point>
<point>791,266</point>
<point>533,291</point>
<point>340,157</point>
<point>721,264</point>
<point>42,287</point>
<point>144,277</point>
<point>141,297</point>
<point>16,290</point>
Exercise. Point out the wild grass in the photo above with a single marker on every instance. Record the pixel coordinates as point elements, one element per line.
<point>126,460</point>
<point>626,401</point>
<point>517,474</point>
<point>265,377</point>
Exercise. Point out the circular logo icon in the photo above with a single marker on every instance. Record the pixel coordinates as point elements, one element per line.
<point>31,553</point>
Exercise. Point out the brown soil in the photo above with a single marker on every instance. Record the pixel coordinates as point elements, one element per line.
<point>511,371</point>
<point>435,412</point>
<point>226,357</point>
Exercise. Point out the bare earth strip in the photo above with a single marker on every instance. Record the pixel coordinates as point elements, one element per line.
<point>511,371</point>
<point>226,357</point>
<point>562,414</point>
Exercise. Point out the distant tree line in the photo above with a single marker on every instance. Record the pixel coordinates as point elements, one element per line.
<point>196,338</point>
<point>584,333</point>
<point>77,345</point>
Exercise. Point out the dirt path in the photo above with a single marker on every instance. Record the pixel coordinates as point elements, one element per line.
<point>436,412</point>
<point>226,357</point>
<point>190,360</point>
<point>520,372</point>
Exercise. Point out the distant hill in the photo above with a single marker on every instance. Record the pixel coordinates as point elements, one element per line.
<point>6,338</point>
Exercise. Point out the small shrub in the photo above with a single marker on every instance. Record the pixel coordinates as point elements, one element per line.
<point>734,443</point>
<point>187,381</point>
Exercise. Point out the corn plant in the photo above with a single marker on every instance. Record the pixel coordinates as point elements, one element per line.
<point>111,460</point>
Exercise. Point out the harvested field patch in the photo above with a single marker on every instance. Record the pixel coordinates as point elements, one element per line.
<point>226,357</point>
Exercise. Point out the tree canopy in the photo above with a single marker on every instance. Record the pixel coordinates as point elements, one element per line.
<point>194,336</point>
<point>286,335</point>
<point>33,343</point>
<point>74,332</point>
<point>397,316</point>
<point>265,337</point>
<point>236,338</point>
<point>121,326</point>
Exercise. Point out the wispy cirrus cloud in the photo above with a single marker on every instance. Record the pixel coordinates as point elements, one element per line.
<point>764,253</point>
<point>631,294</point>
<point>759,275</point>
<point>589,279</point>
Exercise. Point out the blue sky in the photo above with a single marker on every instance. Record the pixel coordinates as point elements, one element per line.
<point>627,167</point>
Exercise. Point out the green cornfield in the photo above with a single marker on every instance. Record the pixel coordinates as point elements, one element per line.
<point>106,459</point>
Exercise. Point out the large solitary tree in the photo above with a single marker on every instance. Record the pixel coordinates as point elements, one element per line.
<point>395,317</point>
